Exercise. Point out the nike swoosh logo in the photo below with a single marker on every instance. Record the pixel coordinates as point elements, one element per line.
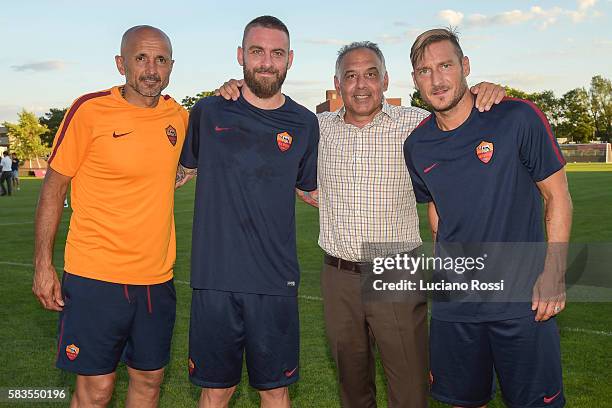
<point>548,400</point>
<point>221,129</point>
<point>428,169</point>
<point>290,373</point>
<point>121,134</point>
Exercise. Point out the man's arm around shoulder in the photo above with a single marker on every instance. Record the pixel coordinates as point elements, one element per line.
<point>183,175</point>
<point>309,197</point>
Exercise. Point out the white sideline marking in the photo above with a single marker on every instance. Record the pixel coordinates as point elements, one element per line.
<point>29,222</point>
<point>32,222</point>
<point>320,299</point>
<point>15,264</point>
<point>17,223</point>
<point>317,298</point>
<point>587,331</point>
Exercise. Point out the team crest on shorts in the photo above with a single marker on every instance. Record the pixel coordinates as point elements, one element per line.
<point>484,151</point>
<point>284,140</point>
<point>191,366</point>
<point>72,352</point>
<point>171,133</point>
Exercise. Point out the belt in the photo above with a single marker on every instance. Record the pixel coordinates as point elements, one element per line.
<point>347,265</point>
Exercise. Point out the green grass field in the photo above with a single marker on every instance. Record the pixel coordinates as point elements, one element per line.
<point>28,333</point>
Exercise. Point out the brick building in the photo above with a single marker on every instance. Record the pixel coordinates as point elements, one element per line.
<point>333,102</point>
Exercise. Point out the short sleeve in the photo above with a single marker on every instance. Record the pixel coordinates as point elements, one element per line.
<point>190,152</point>
<point>421,192</point>
<point>307,174</point>
<point>72,141</point>
<point>538,148</point>
<point>185,116</point>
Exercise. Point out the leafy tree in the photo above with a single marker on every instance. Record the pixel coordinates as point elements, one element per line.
<point>189,101</point>
<point>600,95</point>
<point>416,100</point>
<point>549,105</point>
<point>52,121</point>
<point>24,136</point>
<point>545,101</point>
<point>516,93</point>
<point>577,123</point>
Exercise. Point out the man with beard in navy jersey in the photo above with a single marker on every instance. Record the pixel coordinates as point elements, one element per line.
<point>251,156</point>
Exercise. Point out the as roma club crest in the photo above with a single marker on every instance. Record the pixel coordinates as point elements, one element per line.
<point>171,133</point>
<point>284,140</point>
<point>484,151</point>
<point>72,352</point>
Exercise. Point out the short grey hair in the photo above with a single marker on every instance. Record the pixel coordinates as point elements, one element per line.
<point>357,45</point>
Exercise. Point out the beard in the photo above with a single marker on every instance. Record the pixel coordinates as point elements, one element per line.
<point>148,90</point>
<point>457,95</point>
<point>264,88</point>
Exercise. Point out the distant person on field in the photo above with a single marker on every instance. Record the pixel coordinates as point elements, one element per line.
<point>7,174</point>
<point>15,170</point>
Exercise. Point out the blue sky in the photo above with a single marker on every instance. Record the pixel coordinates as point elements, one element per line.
<point>54,51</point>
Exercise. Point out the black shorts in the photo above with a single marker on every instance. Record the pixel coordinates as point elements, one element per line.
<point>226,324</point>
<point>103,323</point>
<point>524,354</point>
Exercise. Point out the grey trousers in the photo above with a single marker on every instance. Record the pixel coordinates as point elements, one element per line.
<point>397,329</point>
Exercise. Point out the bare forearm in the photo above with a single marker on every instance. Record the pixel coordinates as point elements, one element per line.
<point>48,216</point>
<point>558,215</point>
<point>558,220</point>
<point>549,289</point>
<point>183,175</point>
<point>432,215</point>
<point>309,197</point>
<point>557,207</point>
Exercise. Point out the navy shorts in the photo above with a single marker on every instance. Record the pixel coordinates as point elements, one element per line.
<point>525,355</point>
<point>103,323</point>
<point>226,324</point>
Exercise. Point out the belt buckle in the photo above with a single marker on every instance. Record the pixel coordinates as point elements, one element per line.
<point>351,266</point>
<point>343,264</point>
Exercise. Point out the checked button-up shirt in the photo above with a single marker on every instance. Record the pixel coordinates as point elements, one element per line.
<point>366,203</point>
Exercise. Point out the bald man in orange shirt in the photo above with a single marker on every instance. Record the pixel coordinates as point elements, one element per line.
<point>119,150</point>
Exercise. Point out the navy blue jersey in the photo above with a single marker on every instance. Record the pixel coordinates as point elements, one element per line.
<point>482,178</point>
<point>249,163</point>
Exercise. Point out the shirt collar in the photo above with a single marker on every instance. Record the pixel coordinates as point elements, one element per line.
<point>387,110</point>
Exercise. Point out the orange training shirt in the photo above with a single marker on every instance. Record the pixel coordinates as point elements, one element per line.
<point>122,160</point>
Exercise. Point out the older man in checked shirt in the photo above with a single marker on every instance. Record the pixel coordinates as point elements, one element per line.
<point>365,197</point>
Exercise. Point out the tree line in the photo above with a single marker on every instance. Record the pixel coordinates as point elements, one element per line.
<point>580,115</point>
